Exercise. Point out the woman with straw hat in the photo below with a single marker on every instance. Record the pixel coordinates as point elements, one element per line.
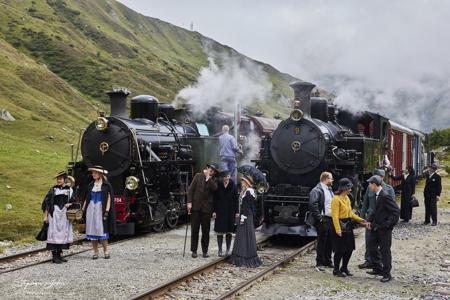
<point>244,250</point>
<point>99,211</point>
<point>55,204</point>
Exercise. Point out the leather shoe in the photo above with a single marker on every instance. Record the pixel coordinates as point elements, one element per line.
<point>347,272</point>
<point>205,255</point>
<point>320,268</point>
<point>220,253</point>
<point>365,265</point>
<point>386,278</point>
<point>425,223</point>
<point>194,254</point>
<point>373,272</point>
<point>329,265</point>
<point>338,273</point>
<point>434,224</point>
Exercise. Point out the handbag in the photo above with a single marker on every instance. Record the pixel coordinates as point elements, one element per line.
<point>346,225</point>
<point>414,202</point>
<point>74,213</point>
<point>42,235</point>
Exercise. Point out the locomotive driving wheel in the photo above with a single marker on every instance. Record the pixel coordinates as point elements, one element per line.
<point>158,227</point>
<point>172,219</point>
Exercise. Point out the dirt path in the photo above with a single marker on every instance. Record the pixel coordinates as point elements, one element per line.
<point>421,268</point>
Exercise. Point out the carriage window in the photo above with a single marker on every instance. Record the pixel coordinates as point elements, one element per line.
<point>202,129</point>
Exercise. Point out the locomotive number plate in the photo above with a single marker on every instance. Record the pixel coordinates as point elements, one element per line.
<point>296,130</point>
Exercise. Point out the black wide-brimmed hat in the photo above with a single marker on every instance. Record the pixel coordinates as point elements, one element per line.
<point>61,173</point>
<point>223,173</point>
<point>99,169</point>
<point>213,166</point>
<point>345,184</point>
<point>247,178</point>
<point>434,166</point>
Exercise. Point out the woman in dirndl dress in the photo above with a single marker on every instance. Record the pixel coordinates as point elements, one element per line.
<point>343,239</point>
<point>244,249</point>
<point>225,211</point>
<point>55,204</point>
<point>99,211</point>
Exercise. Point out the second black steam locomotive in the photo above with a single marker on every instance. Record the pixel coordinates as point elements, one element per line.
<point>310,141</point>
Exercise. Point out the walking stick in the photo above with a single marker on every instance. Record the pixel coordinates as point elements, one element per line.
<point>185,235</point>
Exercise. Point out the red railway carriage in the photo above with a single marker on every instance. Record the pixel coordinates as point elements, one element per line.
<point>400,148</point>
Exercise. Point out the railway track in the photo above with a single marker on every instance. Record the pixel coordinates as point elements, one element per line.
<point>220,280</point>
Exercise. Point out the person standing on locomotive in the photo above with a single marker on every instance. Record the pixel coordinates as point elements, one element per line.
<point>226,208</point>
<point>408,188</point>
<point>432,193</point>
<point>244,249</point>
<point>99,213</point>
<point>343,237</point>
<point>200,198</point>
<point>228,151</point>
<point>368,207</point>
<point>320,209</point>
<point>55,204</point>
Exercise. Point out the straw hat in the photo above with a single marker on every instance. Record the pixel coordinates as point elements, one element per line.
<point>99,169</point>
<point>61,173</point>
<point>247,178</point>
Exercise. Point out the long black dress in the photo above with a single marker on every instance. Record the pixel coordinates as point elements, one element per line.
<point>226,206</point>
<point>244,249</point>
<point>408,187</point>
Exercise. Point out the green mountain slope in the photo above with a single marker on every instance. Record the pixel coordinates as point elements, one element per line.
<point>57,59</point>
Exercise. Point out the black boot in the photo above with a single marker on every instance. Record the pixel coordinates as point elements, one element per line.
<point>55,257</point>
<point>60,256</point>
<point>228,238</point>
<point>219,244</point>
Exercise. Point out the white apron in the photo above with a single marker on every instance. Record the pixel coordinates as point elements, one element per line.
<point>59,228</point>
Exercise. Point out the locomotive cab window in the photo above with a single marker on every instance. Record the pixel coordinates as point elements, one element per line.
<point>202,129</point>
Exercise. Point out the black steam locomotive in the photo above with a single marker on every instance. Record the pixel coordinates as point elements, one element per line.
<point>149,158</point>
<point>310,141</point>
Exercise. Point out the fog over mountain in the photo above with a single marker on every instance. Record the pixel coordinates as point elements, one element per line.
<point>391,57</point>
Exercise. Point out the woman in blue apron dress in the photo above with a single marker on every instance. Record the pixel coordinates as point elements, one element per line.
<point>55,204</point>
<point>99,211</point>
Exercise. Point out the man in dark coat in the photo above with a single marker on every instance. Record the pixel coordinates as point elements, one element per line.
<point>226,210</point>
<point>320,209</point>
<point>368,207</point>
<point>432,193</point>
<point>200,200</point>
<point>382,221</point>
<point>408,188</point>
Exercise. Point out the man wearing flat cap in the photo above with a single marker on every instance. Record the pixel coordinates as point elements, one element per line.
<point>432,192</point>
<point>382,221</point>
<point>200,200</point>
<point>368,207</point>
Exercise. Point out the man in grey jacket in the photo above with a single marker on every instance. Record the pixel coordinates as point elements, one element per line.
<point>320,209</point>
<point>368,208</point>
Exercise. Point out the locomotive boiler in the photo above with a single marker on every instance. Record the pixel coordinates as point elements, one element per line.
<point>307,143</point>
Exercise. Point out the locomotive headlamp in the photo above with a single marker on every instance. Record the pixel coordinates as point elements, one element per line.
<point>262,187</point>
<point>296,115</point>
<point>101,124</point>
<point>132,183</point>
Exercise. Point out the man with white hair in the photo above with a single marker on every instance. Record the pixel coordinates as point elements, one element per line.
<point>228,150</point>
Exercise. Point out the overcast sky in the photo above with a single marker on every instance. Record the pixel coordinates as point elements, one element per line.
<point>391,57</point>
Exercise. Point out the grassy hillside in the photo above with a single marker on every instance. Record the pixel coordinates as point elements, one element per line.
<point>49,113</point>
<point>57,59</point>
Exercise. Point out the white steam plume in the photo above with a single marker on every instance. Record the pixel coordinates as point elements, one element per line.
<point>226,81</point>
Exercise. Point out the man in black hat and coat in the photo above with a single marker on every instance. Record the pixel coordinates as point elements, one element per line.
<point>432,192</point>
<point>382,221</point>
<point>200,200</point>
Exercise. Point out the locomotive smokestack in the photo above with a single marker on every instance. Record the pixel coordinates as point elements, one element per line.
<point>118,102</point>
<point>302,96</point>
